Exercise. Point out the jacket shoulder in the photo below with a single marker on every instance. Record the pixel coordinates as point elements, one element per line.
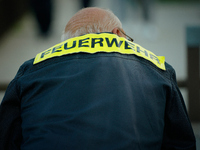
<point>170,71</point>
<point>25,67</point>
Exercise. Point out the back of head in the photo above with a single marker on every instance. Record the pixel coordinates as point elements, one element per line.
<point>91,20</point>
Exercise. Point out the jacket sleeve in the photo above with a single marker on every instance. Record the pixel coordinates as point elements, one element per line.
<point>178,132</point>
<point>10,120</point>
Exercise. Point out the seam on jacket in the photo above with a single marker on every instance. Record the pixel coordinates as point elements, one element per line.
<point>59,59</point>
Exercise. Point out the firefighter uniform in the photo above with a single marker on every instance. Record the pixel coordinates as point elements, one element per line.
<point>97,91</point>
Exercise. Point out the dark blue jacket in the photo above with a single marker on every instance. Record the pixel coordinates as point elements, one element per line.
<point>101,101</point>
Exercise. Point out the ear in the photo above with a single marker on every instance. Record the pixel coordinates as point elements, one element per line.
<point>116,31</point>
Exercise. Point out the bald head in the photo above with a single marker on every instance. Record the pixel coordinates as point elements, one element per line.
<point>86,17</point>
<point>91,20</point>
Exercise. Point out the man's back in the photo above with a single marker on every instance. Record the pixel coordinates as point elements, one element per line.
<point>96,101</point>
<point>99,101</point>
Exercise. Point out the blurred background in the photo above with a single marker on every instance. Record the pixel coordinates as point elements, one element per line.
<point>28,27</point>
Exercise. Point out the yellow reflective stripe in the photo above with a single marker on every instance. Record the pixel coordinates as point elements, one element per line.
<point>102,42</point>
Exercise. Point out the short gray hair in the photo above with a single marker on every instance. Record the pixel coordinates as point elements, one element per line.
<point>109,22</point>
